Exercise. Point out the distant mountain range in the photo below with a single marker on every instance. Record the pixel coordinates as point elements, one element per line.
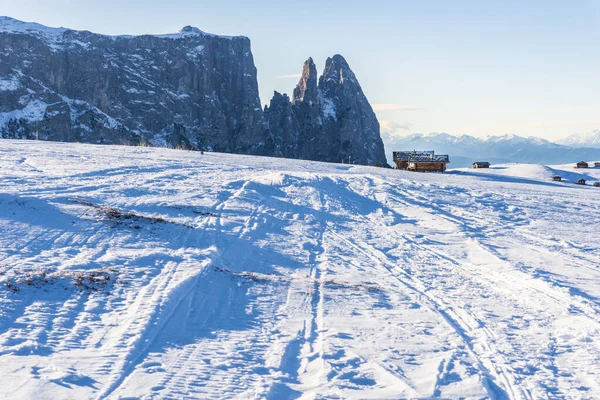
<point>465,149</point>
<point>586,139</point>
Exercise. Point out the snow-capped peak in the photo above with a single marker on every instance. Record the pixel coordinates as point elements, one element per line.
<point>509,137</point>
<point>584,139</point>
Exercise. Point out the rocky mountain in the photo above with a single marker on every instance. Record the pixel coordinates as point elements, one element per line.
<point>465,149</point>
<point>586,139</point>
<point>190,89</point>
<point>328,118</point>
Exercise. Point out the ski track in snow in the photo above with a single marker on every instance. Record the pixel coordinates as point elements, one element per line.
<point>247,277</point>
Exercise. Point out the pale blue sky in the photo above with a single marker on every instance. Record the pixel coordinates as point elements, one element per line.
<point>477,67</point>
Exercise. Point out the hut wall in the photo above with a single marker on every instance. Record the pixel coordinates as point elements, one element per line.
<point>427,166</point>
<point>401,164</point>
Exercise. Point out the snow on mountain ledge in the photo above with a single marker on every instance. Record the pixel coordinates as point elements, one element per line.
<point>11,83</point>
<point>55,35</point>
<point>124,275</point>
<point>11,25</point>
<point>192,31</point>
<point>52,36</point>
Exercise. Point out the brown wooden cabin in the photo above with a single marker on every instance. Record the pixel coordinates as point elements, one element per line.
<point>582,164</point>
<point>581,181</point>
<point>420,161</point>
<point>557,178</point>
<point>424,166</point>
<point>481,164</point>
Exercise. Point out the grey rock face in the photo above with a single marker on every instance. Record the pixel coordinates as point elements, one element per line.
<point>355,123</point>
<point>283,125</point>
<point>190,89</point>
<point>329,121</point>
<point>306,90</point>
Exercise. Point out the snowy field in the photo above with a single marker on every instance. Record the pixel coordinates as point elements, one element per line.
<point>524,172</point>
<point>152,273</point>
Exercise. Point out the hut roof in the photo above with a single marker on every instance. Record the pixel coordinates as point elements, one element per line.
<point>420,156</point>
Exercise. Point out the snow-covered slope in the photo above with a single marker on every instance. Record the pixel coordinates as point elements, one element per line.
<point>586,139</point>
<point>534,172</point>
<point>154,273</point>
<point>465,149</point>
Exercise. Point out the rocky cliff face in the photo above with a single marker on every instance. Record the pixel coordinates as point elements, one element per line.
<point>190,89</point>
<point>328,121</point>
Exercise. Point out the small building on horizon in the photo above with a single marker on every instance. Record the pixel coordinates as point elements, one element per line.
<point>582,164</point>
<point>420,161</point>
<point>557,178</point>
<point>597,164</point>
<point>597,184</point>
<point>481,164</point>
<point>581,181</point>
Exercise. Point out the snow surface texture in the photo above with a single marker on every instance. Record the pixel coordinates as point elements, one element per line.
<point>155,273</point>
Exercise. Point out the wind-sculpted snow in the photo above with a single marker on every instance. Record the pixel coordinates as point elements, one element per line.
<point>153,273</point>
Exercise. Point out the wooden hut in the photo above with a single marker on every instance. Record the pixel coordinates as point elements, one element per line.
<point>481,164</point>
<point>597,184</point>
<point>582,164</point>
<point>420,161</point>
<point>427,166</point>
<point>597,164</point>
<point>557,178</point>
<point>401,159</point>
<point>581,181</point>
